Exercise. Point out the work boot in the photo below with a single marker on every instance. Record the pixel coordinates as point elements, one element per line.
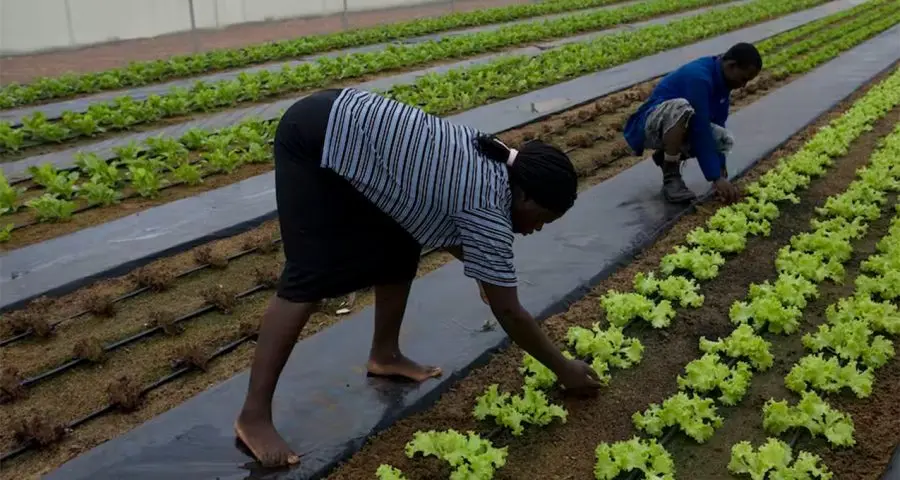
<point>674,189</point>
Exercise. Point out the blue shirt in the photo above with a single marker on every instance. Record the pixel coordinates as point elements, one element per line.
<point>702,83</point>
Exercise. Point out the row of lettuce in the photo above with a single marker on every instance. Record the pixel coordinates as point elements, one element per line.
<point>143,170</point>
<point>846,351</point>
<point>148,72</point>
<point>125,112</point>
<point>548,68</point>
<point>810,259</point>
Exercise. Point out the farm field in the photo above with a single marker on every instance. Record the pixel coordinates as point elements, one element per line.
<point>805,268</point>
<point>567,450</point>
<point>95,193</point>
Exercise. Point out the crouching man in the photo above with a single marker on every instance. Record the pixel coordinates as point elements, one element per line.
<point>685,118</point>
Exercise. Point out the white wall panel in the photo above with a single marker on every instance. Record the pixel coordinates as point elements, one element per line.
<point>34,25</point>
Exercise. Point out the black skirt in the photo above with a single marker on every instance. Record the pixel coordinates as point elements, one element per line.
<point>335,240</point>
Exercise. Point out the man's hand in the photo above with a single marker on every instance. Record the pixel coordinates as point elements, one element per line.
<point>726,190</point>
<point>578,377</point>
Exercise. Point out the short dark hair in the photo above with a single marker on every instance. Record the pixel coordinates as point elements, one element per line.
<point>542,171</point>
<point>744,55</point>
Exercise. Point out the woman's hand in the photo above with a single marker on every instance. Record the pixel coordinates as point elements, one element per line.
<point>574,375</point>
<point>579,377</point>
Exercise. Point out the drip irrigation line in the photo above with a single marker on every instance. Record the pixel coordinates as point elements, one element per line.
<point>142,334</point>
<point>132,339</point>
<point>666,438</point>
<point>133,293</point>
<point>227,348</point>
<point>795,438</point>
<point>30,332</point>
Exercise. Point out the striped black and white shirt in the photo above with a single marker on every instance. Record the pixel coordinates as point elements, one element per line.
<point>426,173</point>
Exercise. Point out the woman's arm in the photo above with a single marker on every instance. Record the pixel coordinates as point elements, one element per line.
<point>487,254</point>
<point>522,327</point>
<point>457,252</point>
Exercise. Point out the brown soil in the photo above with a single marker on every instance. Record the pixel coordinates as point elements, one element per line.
<point>147,360</point>
<point>566,450</point>
<point>25,68</point>
<point>877,422</point>
<point>744,422</point>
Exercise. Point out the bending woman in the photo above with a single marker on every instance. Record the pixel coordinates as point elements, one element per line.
<point>362,184</point>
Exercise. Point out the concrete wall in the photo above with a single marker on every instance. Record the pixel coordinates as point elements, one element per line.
<point>36,25</point>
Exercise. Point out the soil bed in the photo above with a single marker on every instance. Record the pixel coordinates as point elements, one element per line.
<point>64,398</point>
<point>566,450</point>
<point>744,421</point>
<point>876,434</point>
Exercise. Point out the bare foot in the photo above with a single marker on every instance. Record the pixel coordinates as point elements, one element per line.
<point>400,366</point>
<point>263,440</point>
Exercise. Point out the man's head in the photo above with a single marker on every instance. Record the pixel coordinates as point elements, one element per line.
<point>740,64</point>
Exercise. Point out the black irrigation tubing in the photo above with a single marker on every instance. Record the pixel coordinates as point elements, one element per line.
<point>132,339</point>
<point>795,438</point>
<point>144,391</point>
<point>6,341</point>
<point>30,332</point>
<point>666,438</point>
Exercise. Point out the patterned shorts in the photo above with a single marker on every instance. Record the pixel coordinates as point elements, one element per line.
<point>667,114</point>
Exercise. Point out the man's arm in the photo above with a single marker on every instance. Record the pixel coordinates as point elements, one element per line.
<point>700,131</point>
